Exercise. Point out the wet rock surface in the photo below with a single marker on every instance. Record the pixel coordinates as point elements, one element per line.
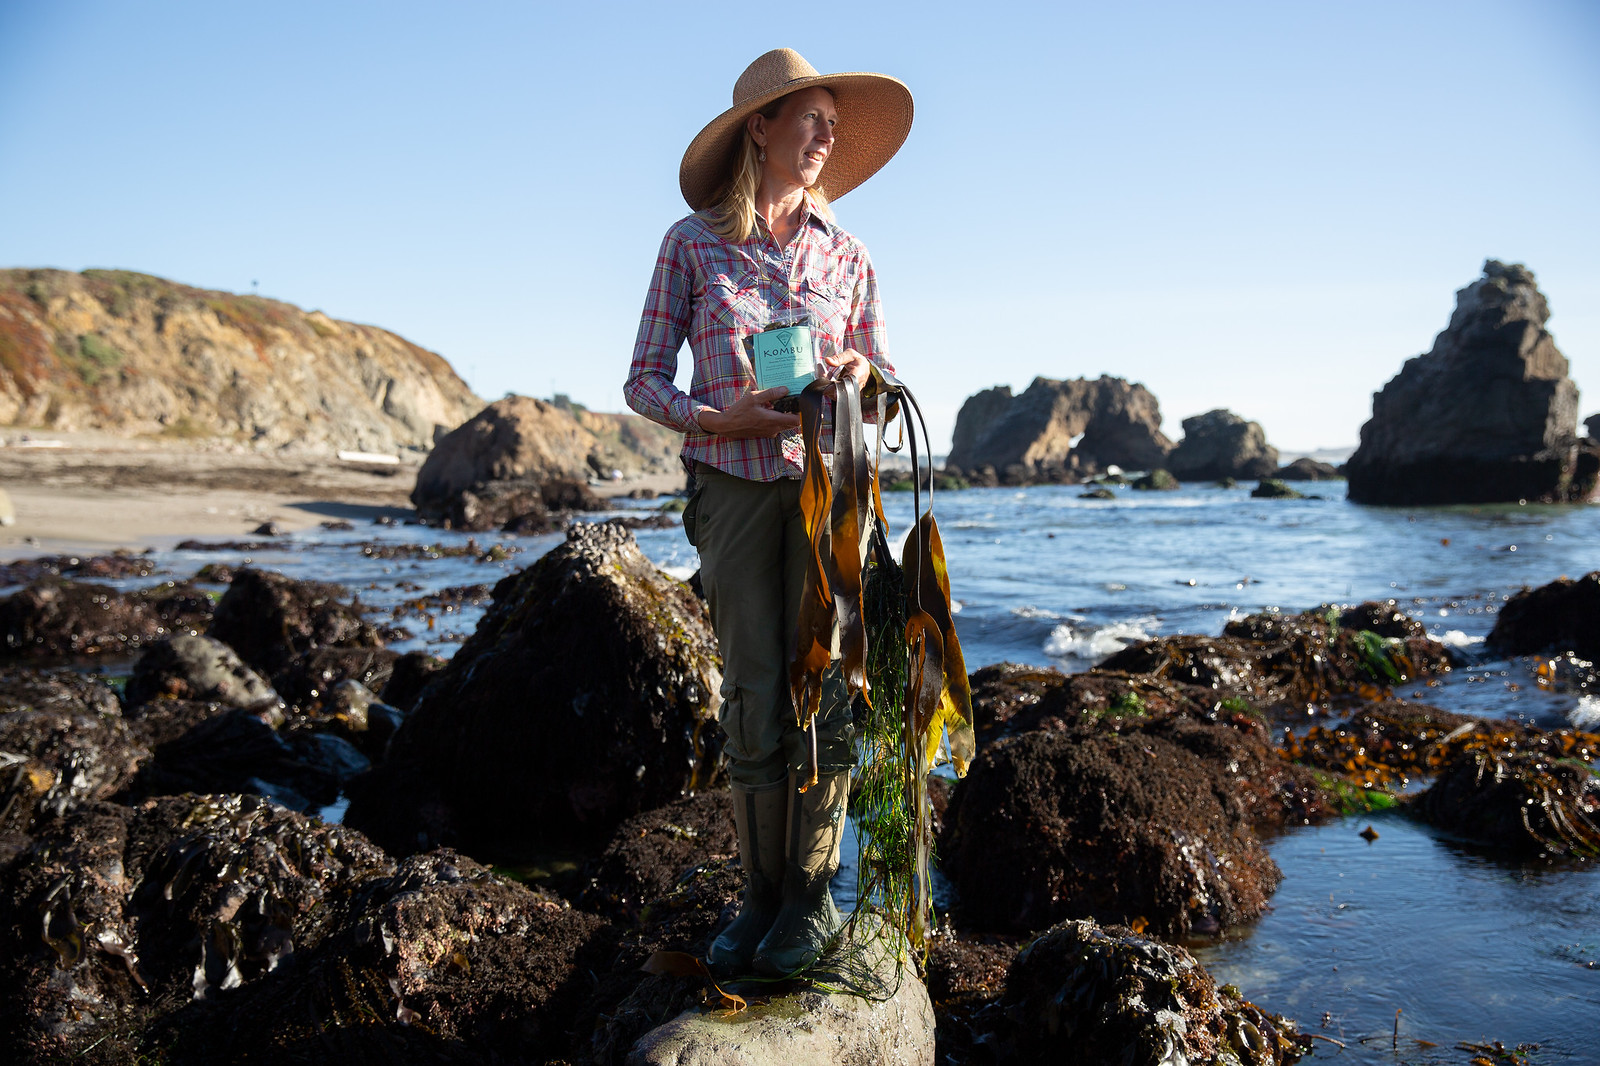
<point>307,682</point>
<point>1489,414</point>
<point>57,618</point>
<point>1220,444</point>
<point>1520,802</point>
<point>141,910</point>
<point>408,676</point>
<point>1030,438</point>
<point>1151,825</point>
<point>1273,489</point>
<point>1563,616</point>
<point>192,667</point>
<point>270,619</point>
<point>1083,993</point>
<point>587,694</point>
<point>650,852</point>
<point>440,960</point>
<point>118,564</point>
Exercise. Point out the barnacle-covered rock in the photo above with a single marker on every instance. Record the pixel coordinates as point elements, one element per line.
<point>54,617</point>
<point>269,619</point>
<point>1083,995</point>
<point>439,961</point>
<point>56,690</point>
<point>1563,616</point>
<point>307,682</point>
<point>1143,825</point>
<point>587,694</point>
<point>1526,802</point>
<point>192,667</point>
<point>116,915</point>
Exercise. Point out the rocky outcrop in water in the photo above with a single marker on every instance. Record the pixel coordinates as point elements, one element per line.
<point>135,354</point>
<point>1563,616</point>
<point>270,619</point>
<point>1306,468</point>
<point>587,694</point>
<point>520,463</point>
<point>53,618</point>
<point>1489,414</point>
<point>1220,444</point>
<point>1059,431</point>
<point>1522,802</point>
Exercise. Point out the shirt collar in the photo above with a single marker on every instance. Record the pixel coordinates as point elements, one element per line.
<point>809,216</point>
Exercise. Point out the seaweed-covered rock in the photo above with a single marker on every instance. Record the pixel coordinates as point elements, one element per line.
<point>270,619</point>
<point>1157,480</point>
<point>966,977</point>
<point>440,961</point>
<point>1269,488</point>
<point>650,851</point>
<point>1083,995</point>
<point>1561,616</point>
<point>1306,468</point>
<point>26,688</point>
<point>1525,802</point>
<point>1134,827</point>
<point>56,758</point>
<point>587,694</point>
<point>192,667</point>
<point>116,915</point>
<point>53,618</point>
<point>307,682</point>
<point>1285,662</point>
<point>1220,444</point>
<point>1489,414</point>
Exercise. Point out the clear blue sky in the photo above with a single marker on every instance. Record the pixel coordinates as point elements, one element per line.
<point>1263,206</point>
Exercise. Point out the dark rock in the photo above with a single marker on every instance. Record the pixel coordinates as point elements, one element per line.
<point>1591,426</point>
<point>651,851</point>
<point>1527,803</point>
<point>23,688</point>
<point>60,752</point>
<point>587,694</point>
<point>146,909</point>
<point>408,676</point>
<point>1306,468</point>
<point>1110,825</point>
<point>227,546</point>
<point>267,529</point>
<point>1082,993</point>
<point>54,618</point>
<point>1488,415</point>
<point>441,961</point>
<point>307,681</point>
<point>1119,424</point>
<point>1269,488</point>
<point>119,564</point>
<point>1097,494</point>
<point>1227,483</point>
<point>1220,444</point>
<point>966,976</point>
<point>508,466</point>
<point>209,747</point>
<point>1157,480</point>
<point>270,619</point>
<point>336,525</point>
<point>190,667</point>
<point>1561,616</point>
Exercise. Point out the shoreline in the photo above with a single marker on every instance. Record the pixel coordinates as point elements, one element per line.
<point>101,492</point>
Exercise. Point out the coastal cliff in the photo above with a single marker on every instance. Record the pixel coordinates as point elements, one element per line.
<point>133,354</point>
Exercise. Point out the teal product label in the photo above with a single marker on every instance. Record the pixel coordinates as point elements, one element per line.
<point>784,356</point>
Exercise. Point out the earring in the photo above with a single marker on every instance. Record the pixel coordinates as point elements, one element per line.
<point>762,156</point>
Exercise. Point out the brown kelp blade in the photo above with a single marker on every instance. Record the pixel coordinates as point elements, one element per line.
<point>814,626</point>
<point>947,710</point>
<point>852,479</point>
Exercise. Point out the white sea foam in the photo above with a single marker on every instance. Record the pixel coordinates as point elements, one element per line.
<point>1455,638</point>
<point>682,573</point>
<point>1586,715</point>
<point>1029,611</point>
<point>1065,642</point>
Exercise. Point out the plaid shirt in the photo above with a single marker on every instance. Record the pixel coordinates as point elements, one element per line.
<point>716,294</point>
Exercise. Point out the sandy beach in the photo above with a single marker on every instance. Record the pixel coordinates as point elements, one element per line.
<point>97,492</point>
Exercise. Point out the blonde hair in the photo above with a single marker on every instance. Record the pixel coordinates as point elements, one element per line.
<point>735,209</point>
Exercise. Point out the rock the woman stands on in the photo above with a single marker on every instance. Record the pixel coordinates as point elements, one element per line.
<point>761,252</point>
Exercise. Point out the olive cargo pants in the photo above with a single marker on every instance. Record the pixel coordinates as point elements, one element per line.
<point>753,548</point>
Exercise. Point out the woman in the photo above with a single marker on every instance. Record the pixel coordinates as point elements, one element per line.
<point>762,252</point>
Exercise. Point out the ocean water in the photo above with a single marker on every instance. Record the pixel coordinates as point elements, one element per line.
<point>1468,947</point>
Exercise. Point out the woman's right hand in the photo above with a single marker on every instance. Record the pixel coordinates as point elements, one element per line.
<point>751,415</point>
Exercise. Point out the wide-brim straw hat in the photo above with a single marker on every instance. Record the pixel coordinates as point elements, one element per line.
<point>874,119</point>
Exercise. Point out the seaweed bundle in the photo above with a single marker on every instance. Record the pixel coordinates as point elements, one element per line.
<point>899,655</point>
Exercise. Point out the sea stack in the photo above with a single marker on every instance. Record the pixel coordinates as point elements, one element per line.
<point>1489,415</point>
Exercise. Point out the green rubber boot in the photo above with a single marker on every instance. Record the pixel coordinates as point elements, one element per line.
<point>759,815</point>
<point>808,917</point>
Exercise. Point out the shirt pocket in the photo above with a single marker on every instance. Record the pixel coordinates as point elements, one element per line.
<point>829,302</point>
<point>735,301</point>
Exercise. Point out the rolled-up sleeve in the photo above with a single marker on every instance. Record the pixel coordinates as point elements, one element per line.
<point>663,325</point>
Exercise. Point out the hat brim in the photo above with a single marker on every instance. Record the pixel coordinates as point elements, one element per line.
<point>875,113</point>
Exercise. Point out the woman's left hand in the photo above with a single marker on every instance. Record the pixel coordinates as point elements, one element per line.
<point>850,362</point>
